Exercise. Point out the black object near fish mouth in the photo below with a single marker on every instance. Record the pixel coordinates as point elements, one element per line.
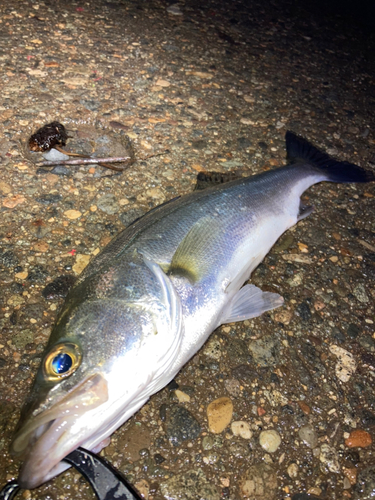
<point>104,479</point>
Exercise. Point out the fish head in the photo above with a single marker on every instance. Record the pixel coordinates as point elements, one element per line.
<point>103,360</point>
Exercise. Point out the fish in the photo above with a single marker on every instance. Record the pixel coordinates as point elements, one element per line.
<point>149,301</point>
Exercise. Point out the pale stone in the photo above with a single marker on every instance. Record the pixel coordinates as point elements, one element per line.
<point>174,9</point>
<point>213,349</point>
<point>5,188</point>
<point>240,428</point>
<point>55,155</point>
<point>72,214</point>
<point>296,257</point>
<point>81,263</point>
<point>346,365</point>
<point>270,440</point>
<point>22,275</point>
<point>249,98</point>
<point>293,470</point>
<point>283,316</point>
<point>329,458</point>
<point>42,246</point>
<point>155,193</point>
<point>182,396</point>
<point>200,74</point>
<point>162,83</point>
<point>15,300</point>
<point>247,121</point>
<point>13,201</point>
<point>219,414</point>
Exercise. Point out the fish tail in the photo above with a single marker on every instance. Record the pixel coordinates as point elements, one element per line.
<point>300,150</point>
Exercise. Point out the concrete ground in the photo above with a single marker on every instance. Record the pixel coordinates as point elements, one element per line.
<point>189,87</point>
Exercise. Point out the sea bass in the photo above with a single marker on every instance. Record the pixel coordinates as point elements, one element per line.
<point>150,300</point>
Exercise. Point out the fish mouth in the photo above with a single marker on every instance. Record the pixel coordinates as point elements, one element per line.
<point>46,438</point>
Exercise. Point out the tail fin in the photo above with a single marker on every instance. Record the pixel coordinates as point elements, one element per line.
<point>298,149</point>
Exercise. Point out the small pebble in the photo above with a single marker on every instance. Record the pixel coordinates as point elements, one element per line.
<point>283,316</point>
<point>346,364</point>
<point>5,188</point>
<point>162,83</point>
<point>13,201</point>
<point>293,470</point>
<point>55,155</point>
<point>72,214</point>
<point>346,484</point>
<point>360,294</point>
<point>259,483</point>
<point>219,414</point>
<point>174,9</point>
<point>81,263</point>
<point>270,440</point>
<point>328,457</point>
<point>233,387</point>
<point>59,170</point>
<point>156,193</point>
<point>351,475</point>
<point>308,435</point>
<point>240,428</point>
<point>265,351</point>
<point>181,425</point>
<point>182,396</point>
<point>22,275</point>
<point>304,407</point>
<point>213,349</point>
<point>108,204</point>
<point>358,439</point>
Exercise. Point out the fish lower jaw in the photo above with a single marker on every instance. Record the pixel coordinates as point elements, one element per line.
<point>51,443</point>
<point>43,452</point>
<point>39,468</point>
<point>31,477</point>
<point>28,482</point>
<point>33,471</point>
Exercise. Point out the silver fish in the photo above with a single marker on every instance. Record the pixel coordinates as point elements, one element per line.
<point>149,301</point>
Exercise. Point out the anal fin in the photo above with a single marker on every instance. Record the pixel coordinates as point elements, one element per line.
<point>250,302</point>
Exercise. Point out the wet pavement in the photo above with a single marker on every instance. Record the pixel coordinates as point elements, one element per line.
<point>274,408</point>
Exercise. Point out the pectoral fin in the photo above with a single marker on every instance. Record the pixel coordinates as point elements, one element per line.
<point>304,211</point>
<point>197,253</point>
<point>250,302</point>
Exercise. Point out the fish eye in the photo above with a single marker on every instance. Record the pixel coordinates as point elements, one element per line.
<point>62,361</point>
